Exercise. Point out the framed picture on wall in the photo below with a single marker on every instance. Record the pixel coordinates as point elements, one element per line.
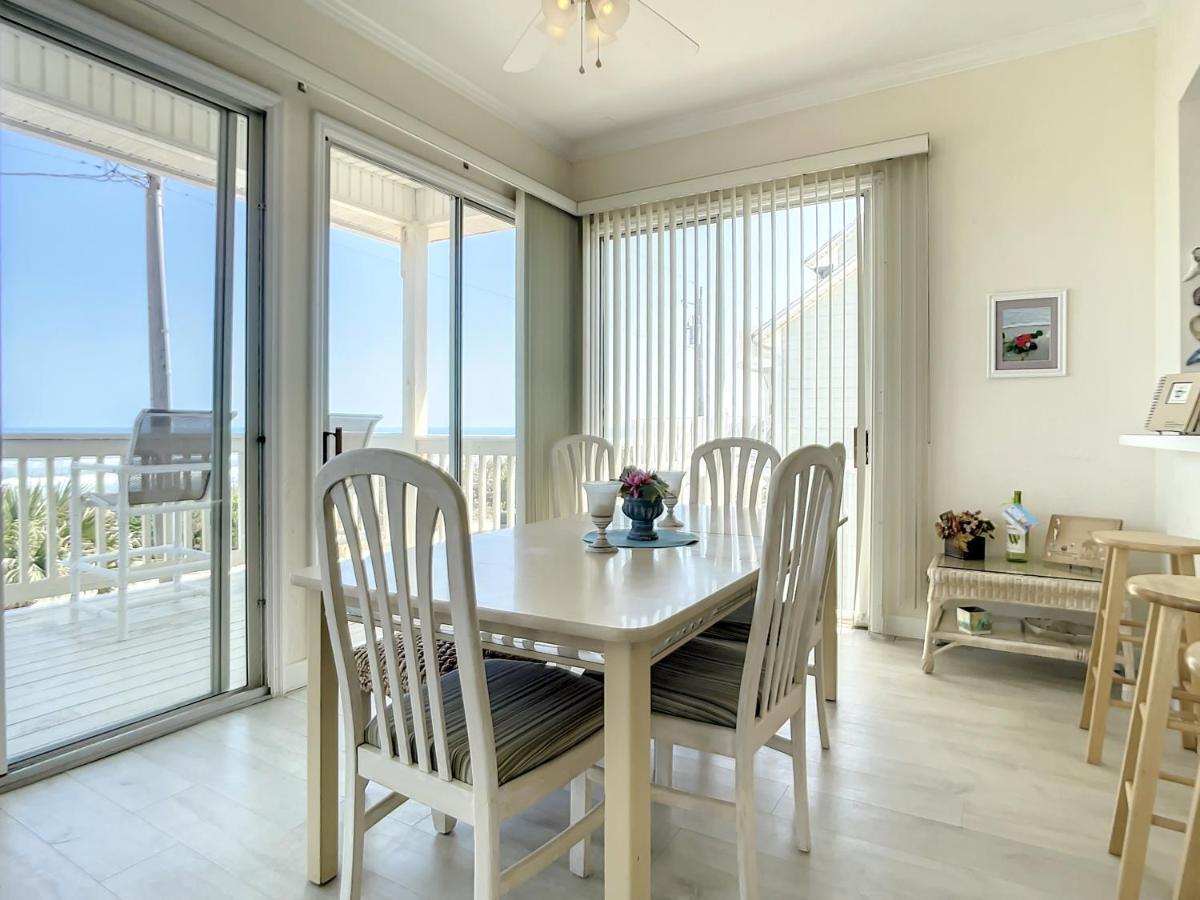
<point>1027,334</point>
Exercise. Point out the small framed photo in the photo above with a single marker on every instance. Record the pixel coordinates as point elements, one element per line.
<point>1027,334</point>
<point>1069,540</point>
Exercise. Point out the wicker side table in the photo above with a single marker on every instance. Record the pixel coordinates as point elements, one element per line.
<point>1040,586</point>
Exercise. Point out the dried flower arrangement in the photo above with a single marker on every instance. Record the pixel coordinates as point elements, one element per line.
<point>962,527</point>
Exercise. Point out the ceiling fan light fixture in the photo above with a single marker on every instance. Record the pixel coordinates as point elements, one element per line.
<point>609,15</point>
<point>596,36</point>
<point>559,13</point>
<point>556,33</point>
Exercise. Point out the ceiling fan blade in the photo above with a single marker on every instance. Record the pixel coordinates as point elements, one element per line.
<point>531,46</point>
<point>678,36</point>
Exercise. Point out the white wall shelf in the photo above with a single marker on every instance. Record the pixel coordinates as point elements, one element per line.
<point>1188,443</point>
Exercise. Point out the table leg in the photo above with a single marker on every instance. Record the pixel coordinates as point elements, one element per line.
<point>931,624</point>
<point>322,750</point>
<point>627,771</point>
<point>829,624</point>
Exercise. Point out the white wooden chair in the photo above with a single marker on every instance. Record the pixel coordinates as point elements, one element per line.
<point>490,739</point>
<point>164,478</point>
<point>573,460</point>
<point>735,468</point>
<point>732,699</point>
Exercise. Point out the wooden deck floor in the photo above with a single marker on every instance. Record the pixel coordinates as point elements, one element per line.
<point>67,680</point>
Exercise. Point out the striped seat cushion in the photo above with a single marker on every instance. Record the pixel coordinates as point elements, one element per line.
<point>447,661</point>
<point>735,626</point>
<point>700,681</point>
<point>538,714</point>
<point>726,630</point>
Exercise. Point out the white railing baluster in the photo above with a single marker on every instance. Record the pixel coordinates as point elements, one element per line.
<point>239,550</point>
<point>511,507</point>
<point>22,516</point>
<point>51,492</point>
<point>100,523</point>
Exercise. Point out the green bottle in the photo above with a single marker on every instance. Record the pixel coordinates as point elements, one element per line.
<point>1018,538</point>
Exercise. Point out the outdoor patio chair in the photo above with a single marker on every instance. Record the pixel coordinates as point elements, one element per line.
<point>164,478</point>
<point>357,428</point>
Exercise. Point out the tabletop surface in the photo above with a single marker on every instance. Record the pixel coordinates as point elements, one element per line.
<point>541,577</point>
<point>999,565</point>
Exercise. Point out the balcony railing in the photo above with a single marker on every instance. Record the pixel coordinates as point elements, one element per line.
<point>37,528</point>
<point>36,492</point>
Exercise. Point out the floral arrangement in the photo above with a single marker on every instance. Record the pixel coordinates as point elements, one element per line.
<point>641,484</point>
<point>1023,343</point>
<point>963,527</point>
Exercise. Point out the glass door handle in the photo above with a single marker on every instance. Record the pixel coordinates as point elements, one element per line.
<point>336,434</point>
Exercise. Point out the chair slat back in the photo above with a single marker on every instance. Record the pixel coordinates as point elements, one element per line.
<point>390,508</point>
<point>573,460</point>
<point>799,532</point>
<point>163,437</point>
<point>733,470</point>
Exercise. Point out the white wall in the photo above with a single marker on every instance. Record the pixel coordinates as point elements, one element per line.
<point>1177,228</point>
<point>1040,177</point>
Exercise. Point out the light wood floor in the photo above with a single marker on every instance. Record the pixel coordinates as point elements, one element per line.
<point>66,680</point>
<point>966,783</point>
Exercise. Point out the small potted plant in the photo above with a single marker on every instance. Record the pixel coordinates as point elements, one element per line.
<point>964,533</point>
<point>643,492</point>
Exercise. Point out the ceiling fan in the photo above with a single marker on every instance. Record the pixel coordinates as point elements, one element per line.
<point>599,22</point>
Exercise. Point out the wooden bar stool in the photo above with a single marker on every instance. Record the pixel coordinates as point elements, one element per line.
<point>1188,883</point>
<point>1108,633</point>
<point>1173,599</point>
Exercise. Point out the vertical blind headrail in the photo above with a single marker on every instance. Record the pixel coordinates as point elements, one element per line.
<point>705,209</point>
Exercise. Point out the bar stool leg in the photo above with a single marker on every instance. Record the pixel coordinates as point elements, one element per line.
<point>1102,617</point>
<point>1114,601</point>
<point>1133,739</point>
<point>1188,710</point>
<point>1148,720</point>
<point>1184,565</point>
<point>1187,885</point>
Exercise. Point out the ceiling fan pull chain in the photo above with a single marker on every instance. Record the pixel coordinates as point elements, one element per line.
<point>582,38</point>
<point>598,63</point>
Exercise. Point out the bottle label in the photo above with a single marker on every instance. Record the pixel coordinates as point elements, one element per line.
<point>1016,542</point>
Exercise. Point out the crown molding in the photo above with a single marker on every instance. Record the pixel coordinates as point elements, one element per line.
<point>345,14</point>
<point>1154,9</point>
<point>1138,16</point>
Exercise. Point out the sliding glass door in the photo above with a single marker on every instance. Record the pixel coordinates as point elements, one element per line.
<point>489,368</point>
<point>419,314</point>
<point>130,237</point>
<point>735,313</point>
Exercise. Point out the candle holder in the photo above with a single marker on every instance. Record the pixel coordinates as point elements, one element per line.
<point>602,501</point>
<point>674,481</point>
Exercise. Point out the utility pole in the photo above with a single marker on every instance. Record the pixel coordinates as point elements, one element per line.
<point>159,343</point>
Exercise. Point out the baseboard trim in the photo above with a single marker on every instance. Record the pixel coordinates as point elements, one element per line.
<point>295,676</point>
<point>904,626</point>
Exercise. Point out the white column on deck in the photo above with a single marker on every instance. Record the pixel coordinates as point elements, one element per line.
<point>414,268</point>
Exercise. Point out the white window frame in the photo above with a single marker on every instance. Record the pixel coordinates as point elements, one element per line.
<point>330,132</point>
<point>149,54</point>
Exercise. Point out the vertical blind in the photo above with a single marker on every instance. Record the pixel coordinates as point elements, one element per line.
<point>725,314</point>
<point>736,313</point>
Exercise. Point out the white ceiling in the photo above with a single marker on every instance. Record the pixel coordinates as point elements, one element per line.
<point>757,57</point>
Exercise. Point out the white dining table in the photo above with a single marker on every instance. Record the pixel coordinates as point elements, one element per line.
<point>540,594</point>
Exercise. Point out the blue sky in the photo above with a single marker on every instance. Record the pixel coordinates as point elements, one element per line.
<point>73,305</point>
